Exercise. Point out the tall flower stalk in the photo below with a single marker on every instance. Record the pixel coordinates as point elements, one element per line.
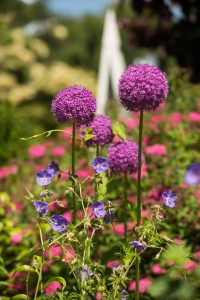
<point>125,206</point>
<point>73,172</point>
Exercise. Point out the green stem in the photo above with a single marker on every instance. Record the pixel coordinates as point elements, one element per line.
<point>138,213</point>
<point>97,151</point>
<point>125,206</point>
<point>73,172</point>
<point>96,184</point>
<point>38,282</point>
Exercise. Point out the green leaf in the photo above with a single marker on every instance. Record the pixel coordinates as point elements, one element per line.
<point>119,129</point>
<point>23,268</point>
<point>3,272</point>
<point>58,279</point>
<point>19,297</point>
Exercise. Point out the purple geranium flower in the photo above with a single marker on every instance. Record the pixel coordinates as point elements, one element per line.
<point>41,207</point>
<point>192,175</point>
<point>125,294</point>
<point>53,168</point>
<point>100,164</point>
<point>138,245</point>
<point>85,272</point>
<point>98,209</point>
<point>58,223</point>
<point>43,177</point>
<point>169,198</point>
<point>109,216</point>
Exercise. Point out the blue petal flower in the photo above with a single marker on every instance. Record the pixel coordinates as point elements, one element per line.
<point>138,245</point>
<point>41,207</point>
<point>109,216</point>
<point>43,177</point>
<point>169,198</point>
<point>53,168</point>
<point>58,223</point>
<point>100,164</point>
<point>98,209</point>
<point>192,175</point>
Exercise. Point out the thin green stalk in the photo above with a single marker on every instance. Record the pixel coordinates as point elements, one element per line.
<point>97,151</point>
<point>138,213</point>
<point>96,184</point>
<point>125,206</point>
<point>73,172</point>
<point>38,282</point>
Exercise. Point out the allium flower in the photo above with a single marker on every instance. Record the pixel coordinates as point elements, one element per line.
<point>41,207</point>
<point>123,157</point>
<point>98,209</point>
<point>100,164</point>
<point>85,272</point>
<point>43,177</point>
<point>125,294</point>
<point>169,198</point>
<point>74,103</point>
<point>102,130</point>
<point>138,245</point>
<point>142,86</point>
<point>192,175</point>
<point>109,216</point>
<point>58,223</point>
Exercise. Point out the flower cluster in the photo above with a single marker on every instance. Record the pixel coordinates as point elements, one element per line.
<point>123,157</point>
<point>102,131</point>
<point>142,87</point>
<point>74,103</point>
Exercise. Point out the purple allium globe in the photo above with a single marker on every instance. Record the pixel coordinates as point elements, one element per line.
<point>102,130</point>
<point>123,157</point>
<point>142,87</point>
<point>74,103</point>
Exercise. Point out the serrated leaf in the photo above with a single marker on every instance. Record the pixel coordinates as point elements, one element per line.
<point>19,297</point>
<point>119,129</point>
<point>58,279</point>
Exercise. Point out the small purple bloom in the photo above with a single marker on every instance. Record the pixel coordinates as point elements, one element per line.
<point>53,168</point>
<point>100,164</point>
<point>169,198</point>
<point>41,207</point>
<point>192,175</point>
<point>58,223</point>
<point>98,209</point>
<point>109,216</point>
<point>138,245</point>
<point>43,177</point>
<point>125,294</point>
<point>85,272</point>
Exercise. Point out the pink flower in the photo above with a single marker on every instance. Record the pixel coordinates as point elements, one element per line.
<point>119,228</point>
<point>67,134</point>
<point>7,171</point>
<point>194,117</point>
<point>156,149</point>
<point>69,255</point>
<point>144,285</point>
<point>197,255</point>
<point>143,172</point>
<point>36,151</point>
<point>156,269</point>
<point>98,296</point>
<point>112,263</point>
<point>52,288</point>
<point>190,265</point>
<point>53,251</point>
<point>58,151</point>
<point>16,238</point>
<point>176,118</point>
<point>82,174</point>
<point>68,215</point>
<point>46,266</point>
<point>82,162</point>
<point>155,120</point>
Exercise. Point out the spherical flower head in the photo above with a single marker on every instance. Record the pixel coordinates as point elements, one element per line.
<point>192,175</point>
<point>102,131</point>
<point>142,87</point>
<point>123,157</point>
<point>100,164</point>
<point>138,245</point>
<point>98,209</point>
<point>41,207</point>
<point>169,198</point>
<point>74,103</point>
<point>58,223</point>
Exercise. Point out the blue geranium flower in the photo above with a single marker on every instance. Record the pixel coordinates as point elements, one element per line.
<point>85,272</point>
<point>44,176</point>
<point>109,216</point>
<point>125,294</point>
<point>53,168</point>
<point>98,209</point>
<point>192,175</point>
<point>41,207</point>
<point>169,198</point>
<point>58,223</point>
<point>100,164</point>
<point>138,245</point>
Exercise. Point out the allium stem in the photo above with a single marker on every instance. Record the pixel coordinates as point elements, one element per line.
<point>137,268</point>
<point>73,171</point>
<point>98,150</point>
<point>125,206</point>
